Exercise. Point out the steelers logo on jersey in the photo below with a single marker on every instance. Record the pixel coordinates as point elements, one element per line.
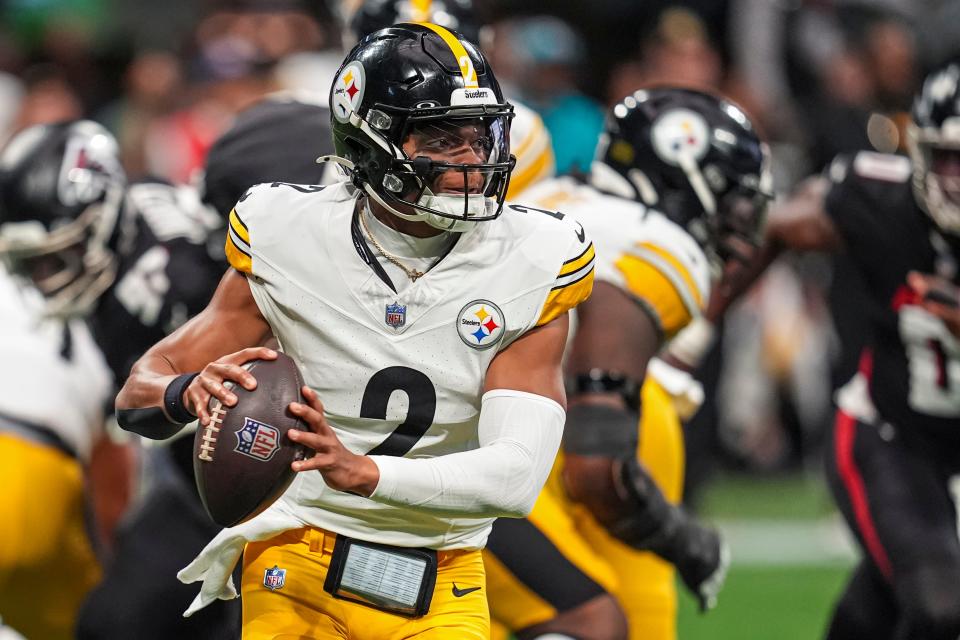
<point>480,324</point>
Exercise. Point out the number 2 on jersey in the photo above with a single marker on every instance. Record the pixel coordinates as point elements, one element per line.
<point>422,400</point>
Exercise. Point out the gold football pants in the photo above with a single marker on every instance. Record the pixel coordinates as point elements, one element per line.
<point>47,563</point>
<point>301,609</point>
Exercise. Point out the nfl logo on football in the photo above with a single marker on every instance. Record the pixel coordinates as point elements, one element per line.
<point>273,579</point>
<point>257,440</point>
<point>396,315</point>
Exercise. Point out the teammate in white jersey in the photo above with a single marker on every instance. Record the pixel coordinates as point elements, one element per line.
<point>414,278</point>
<point>60,190</point>
<point>612,499</point>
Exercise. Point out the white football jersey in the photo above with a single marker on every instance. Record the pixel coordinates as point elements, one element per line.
<point>398,374</point>
<point>638,249</point>
<point>53,375</point>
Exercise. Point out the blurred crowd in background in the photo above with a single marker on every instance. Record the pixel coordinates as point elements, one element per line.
<point>820,76</point>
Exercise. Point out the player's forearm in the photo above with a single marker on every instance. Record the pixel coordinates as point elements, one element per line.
<point>520,434</point>
<point>140,403</point>
<point>146,383</point>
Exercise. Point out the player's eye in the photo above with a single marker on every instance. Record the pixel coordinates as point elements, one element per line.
<point>482,146</point>
<point>440,144</point>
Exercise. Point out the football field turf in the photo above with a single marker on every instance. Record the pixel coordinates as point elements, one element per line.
<point>761,603</point>
<point>791,559</point>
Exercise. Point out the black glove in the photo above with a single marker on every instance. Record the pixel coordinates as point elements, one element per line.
<point>700,556</point>
<point>653,524</point>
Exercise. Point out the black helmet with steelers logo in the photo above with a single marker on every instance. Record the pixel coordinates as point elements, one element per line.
<point>423,82</point>
<point>694,156</point>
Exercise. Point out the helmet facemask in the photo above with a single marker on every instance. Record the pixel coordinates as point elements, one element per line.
<point>936,173</point>
<point>71,265</point>
<point>738,226</point>
<point>420,123</point>
<point>449,167</point>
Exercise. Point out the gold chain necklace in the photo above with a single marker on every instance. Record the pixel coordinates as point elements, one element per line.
<point>413,274</point>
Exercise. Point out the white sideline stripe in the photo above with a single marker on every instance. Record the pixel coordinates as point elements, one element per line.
<point>788,542</point>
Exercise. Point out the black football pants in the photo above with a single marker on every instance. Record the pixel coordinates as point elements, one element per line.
<point>896,499</point>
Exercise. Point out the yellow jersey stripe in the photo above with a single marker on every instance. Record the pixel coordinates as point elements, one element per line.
<point>679,268</point>
<point>459,53</point>
<point>562,299</point>
<point>238,258</point>
<point>575,264</point>
<point>421,10</point>
<point>657,292</point>
<point>238,227</point>
<point>540,168</point>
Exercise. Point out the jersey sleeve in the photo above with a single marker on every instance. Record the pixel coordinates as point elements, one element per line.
<point>663,284</point>
<point>237,247</point>
<point>865,193</point>
<point>573,283</point>
<point>251,227</point>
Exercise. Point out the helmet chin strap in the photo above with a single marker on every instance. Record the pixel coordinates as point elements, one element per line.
<point>454,225</point>
<point>412,217</point>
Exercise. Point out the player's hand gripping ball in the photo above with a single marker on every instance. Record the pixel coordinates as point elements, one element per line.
<point>242,457</point>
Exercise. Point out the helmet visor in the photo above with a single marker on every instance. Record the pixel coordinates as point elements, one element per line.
<point>456,166</point>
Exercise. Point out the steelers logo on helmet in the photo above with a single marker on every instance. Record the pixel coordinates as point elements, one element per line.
<point>680,133</point>
<point>348,91</point>
<point>480,324</point>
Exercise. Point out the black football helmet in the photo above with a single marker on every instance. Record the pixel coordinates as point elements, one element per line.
<point>61,191</point>
<point>454,15</point>
<point>692,155</point>
<point>933,142</point>
<point>423,83</point>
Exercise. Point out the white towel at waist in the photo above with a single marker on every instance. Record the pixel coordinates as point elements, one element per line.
<point>215,563</point>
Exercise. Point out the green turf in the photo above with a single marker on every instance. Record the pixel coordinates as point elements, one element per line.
<point>788,496</point>
<point>760,603</point>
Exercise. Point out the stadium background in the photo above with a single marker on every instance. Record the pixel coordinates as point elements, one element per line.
<point>821,76</point>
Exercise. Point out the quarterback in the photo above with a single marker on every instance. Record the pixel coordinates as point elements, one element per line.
<point>416,277</point>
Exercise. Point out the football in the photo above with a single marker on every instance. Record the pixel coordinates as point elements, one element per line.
<point>242,458</point>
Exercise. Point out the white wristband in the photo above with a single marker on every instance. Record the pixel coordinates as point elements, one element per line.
<point>692,343</point>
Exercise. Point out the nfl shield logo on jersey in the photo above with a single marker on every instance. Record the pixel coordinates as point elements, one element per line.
<point>257,440</point>
<point>396,315</point>
<point>273,579</point>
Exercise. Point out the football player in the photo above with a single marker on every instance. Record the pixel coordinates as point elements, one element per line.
<point>896,442</point>
<point>416,278</point>
<point>60,193</point>
<point>530,141</point>
<point>610,507</point>
<point>167,273</point>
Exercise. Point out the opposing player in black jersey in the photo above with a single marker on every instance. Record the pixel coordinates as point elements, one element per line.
<point>168,272</point>
<point>896,443</point>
